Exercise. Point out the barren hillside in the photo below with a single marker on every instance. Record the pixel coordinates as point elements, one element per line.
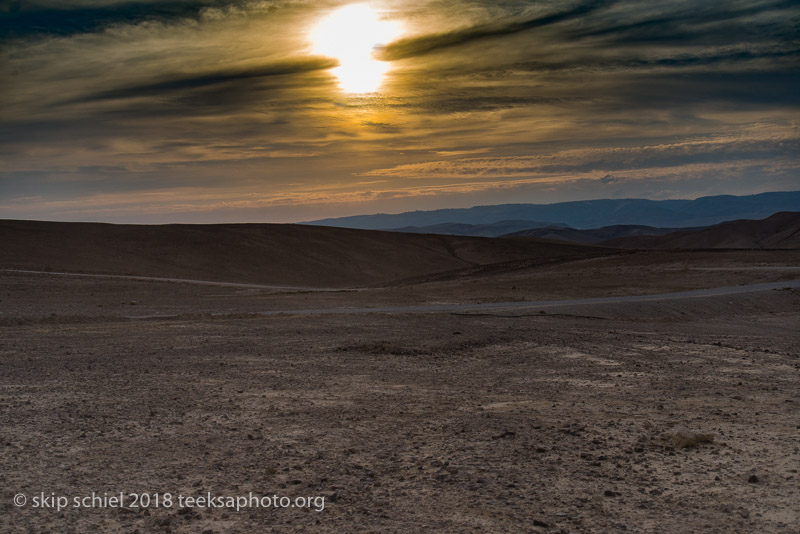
<point>256,253</point>
<point>781,230</point>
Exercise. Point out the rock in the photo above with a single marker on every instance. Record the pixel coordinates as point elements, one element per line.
<point>753,479</point>
<point>681,437</point>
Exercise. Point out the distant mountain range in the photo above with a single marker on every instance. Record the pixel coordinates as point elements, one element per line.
<point>704,211</point>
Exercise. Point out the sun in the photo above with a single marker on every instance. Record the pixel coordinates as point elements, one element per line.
<point>351,34</point>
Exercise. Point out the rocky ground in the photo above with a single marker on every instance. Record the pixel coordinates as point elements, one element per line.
<point>679,416</point>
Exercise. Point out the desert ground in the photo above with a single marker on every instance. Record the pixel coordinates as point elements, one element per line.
<point>461,414</point>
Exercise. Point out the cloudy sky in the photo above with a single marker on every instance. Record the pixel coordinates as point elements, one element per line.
<point>282,110</point>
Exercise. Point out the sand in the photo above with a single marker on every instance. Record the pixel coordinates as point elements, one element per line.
<point>655,416</point>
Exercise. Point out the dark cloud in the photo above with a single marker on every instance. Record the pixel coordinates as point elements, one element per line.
<point>700,23</point>
<point>731,58</point>
<point>708,23</point>
<point>210,80</point>
<point>758,88</point>
<point>21,20</point>
<point>466,102</point>
<point>417,46</point>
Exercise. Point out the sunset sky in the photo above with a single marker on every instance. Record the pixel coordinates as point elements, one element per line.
<point>279,111</point>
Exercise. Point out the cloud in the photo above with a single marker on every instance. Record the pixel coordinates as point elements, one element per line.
<point>448,153</point>
<point>282,68</point>
<point>712,21</point>
<point>425,44</point>
<point>775,146</point>
<point>19,20</point>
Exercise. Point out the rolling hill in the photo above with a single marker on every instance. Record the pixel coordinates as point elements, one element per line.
<point>279,254</point>
<point>482,230</point>
<point>781,230</point>
<point>592,236</point>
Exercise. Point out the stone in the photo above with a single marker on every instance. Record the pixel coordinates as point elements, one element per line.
<point>681,437</point>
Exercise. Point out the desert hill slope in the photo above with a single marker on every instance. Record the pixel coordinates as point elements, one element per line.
<point>280,254</point>
<point>781,230</point>
<point>497,229</point>
<point>595,235</point>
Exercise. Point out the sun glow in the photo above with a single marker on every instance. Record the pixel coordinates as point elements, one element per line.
<point>351,34</point>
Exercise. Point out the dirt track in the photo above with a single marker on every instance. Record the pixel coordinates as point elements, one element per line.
<point>459,307</point>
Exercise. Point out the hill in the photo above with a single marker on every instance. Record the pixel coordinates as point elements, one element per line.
<point>592,236</point>
<point>279,254</point>
<point>482,230</point>
<point>703,211</point>
<point>781,230</point>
